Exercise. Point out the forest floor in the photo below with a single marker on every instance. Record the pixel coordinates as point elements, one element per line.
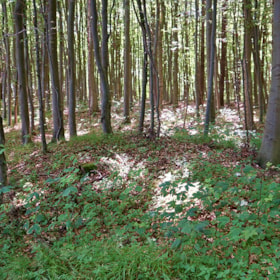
<point>182,206</point>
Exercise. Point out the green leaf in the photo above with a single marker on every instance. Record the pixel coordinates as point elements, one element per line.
<point>40,218</point>
<point>235,233</point>
<point>249,232</point>
<point>2,149</point>
<point>223,220</point>
<point>70,169</point>
<point>176,244</point>
<point>138,189</point>
<point>35,228</point>
<point>187,227</point>
<point>69,190</point>
<point>52,180</point>
<point>248,169</point>
<point>201,226</point>
<point>5,189</point>
<point>256,250</point>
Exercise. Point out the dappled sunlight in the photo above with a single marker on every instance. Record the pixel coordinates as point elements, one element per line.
<point>122,164</point>
<point>174,186</point>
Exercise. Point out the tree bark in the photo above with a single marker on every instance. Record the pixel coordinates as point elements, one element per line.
<point>211,73</point>
<point>249,122</point>
<point>270,148</point>
<point>101,57</point>
<point>144,67</point>
<point>21,67</point>
<point>57,111</point>
<point>223,63</point>
<point>92,79</point>
<point>71,69</point>
<point>127,61</point>
<point>3,163</point>
<point>40,93</point>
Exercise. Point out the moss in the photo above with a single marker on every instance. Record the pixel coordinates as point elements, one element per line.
<point>88,167</point>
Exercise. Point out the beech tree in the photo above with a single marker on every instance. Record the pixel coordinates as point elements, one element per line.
<point>127,60</point>
<point>71,69</point>
<point>208,114</point>
<point>3,163</point>
<point>21,71</point>
<point>270,148</point>
<point>39,80</point>
<point>101,58</point>
<point>57,102</point>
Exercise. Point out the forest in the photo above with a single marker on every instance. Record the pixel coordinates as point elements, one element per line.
<point>140,139</point>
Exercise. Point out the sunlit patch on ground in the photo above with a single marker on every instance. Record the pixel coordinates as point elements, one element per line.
<point>122,164</point>
<point>174,186</point>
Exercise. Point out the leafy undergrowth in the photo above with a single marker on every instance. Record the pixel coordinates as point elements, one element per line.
<point>125,207</point>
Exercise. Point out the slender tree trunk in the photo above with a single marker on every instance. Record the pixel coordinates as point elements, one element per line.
<point>152,71</point>
<point>197,86</point>
<point>209,30</point>
<point>45,62</point>
<point>202,55</point>
<point>211,73</point>
<point>223,63</point>
<point>145,66</point>
<point>175,92</point>
<point>249,122</point>
<point>71,69</point>
<point>40,93</point>
<point>101,57</point>
<point>8,63</point>
<point>258,68</point>
<point>21,67</point>
<point>92,79</point>
<point>57,111</point>
<point>160,53</point>
<point>28,79</point>
<point>127,61</point>
<point>3,163</point>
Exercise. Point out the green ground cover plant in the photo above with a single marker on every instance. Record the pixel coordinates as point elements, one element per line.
<point>59,223</point>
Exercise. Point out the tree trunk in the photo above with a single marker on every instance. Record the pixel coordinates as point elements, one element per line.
<point>40,93</point>
<point>3,163</point>
<point>101,58</point>
<point>57,111</point>
<point>7,66</point>
<point>270,148</point>
<point>71,69</point>
<point>175,41</point>
<point>145,66</point>
<point>223,63</point>
<point>211,73</point>
<point>249,122</point>
<point>197,86</point>
<point>92,79</point>
<point>127,61</point>
<point>25,129</point>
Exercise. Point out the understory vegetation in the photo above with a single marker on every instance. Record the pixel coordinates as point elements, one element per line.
<point>127,207</point>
